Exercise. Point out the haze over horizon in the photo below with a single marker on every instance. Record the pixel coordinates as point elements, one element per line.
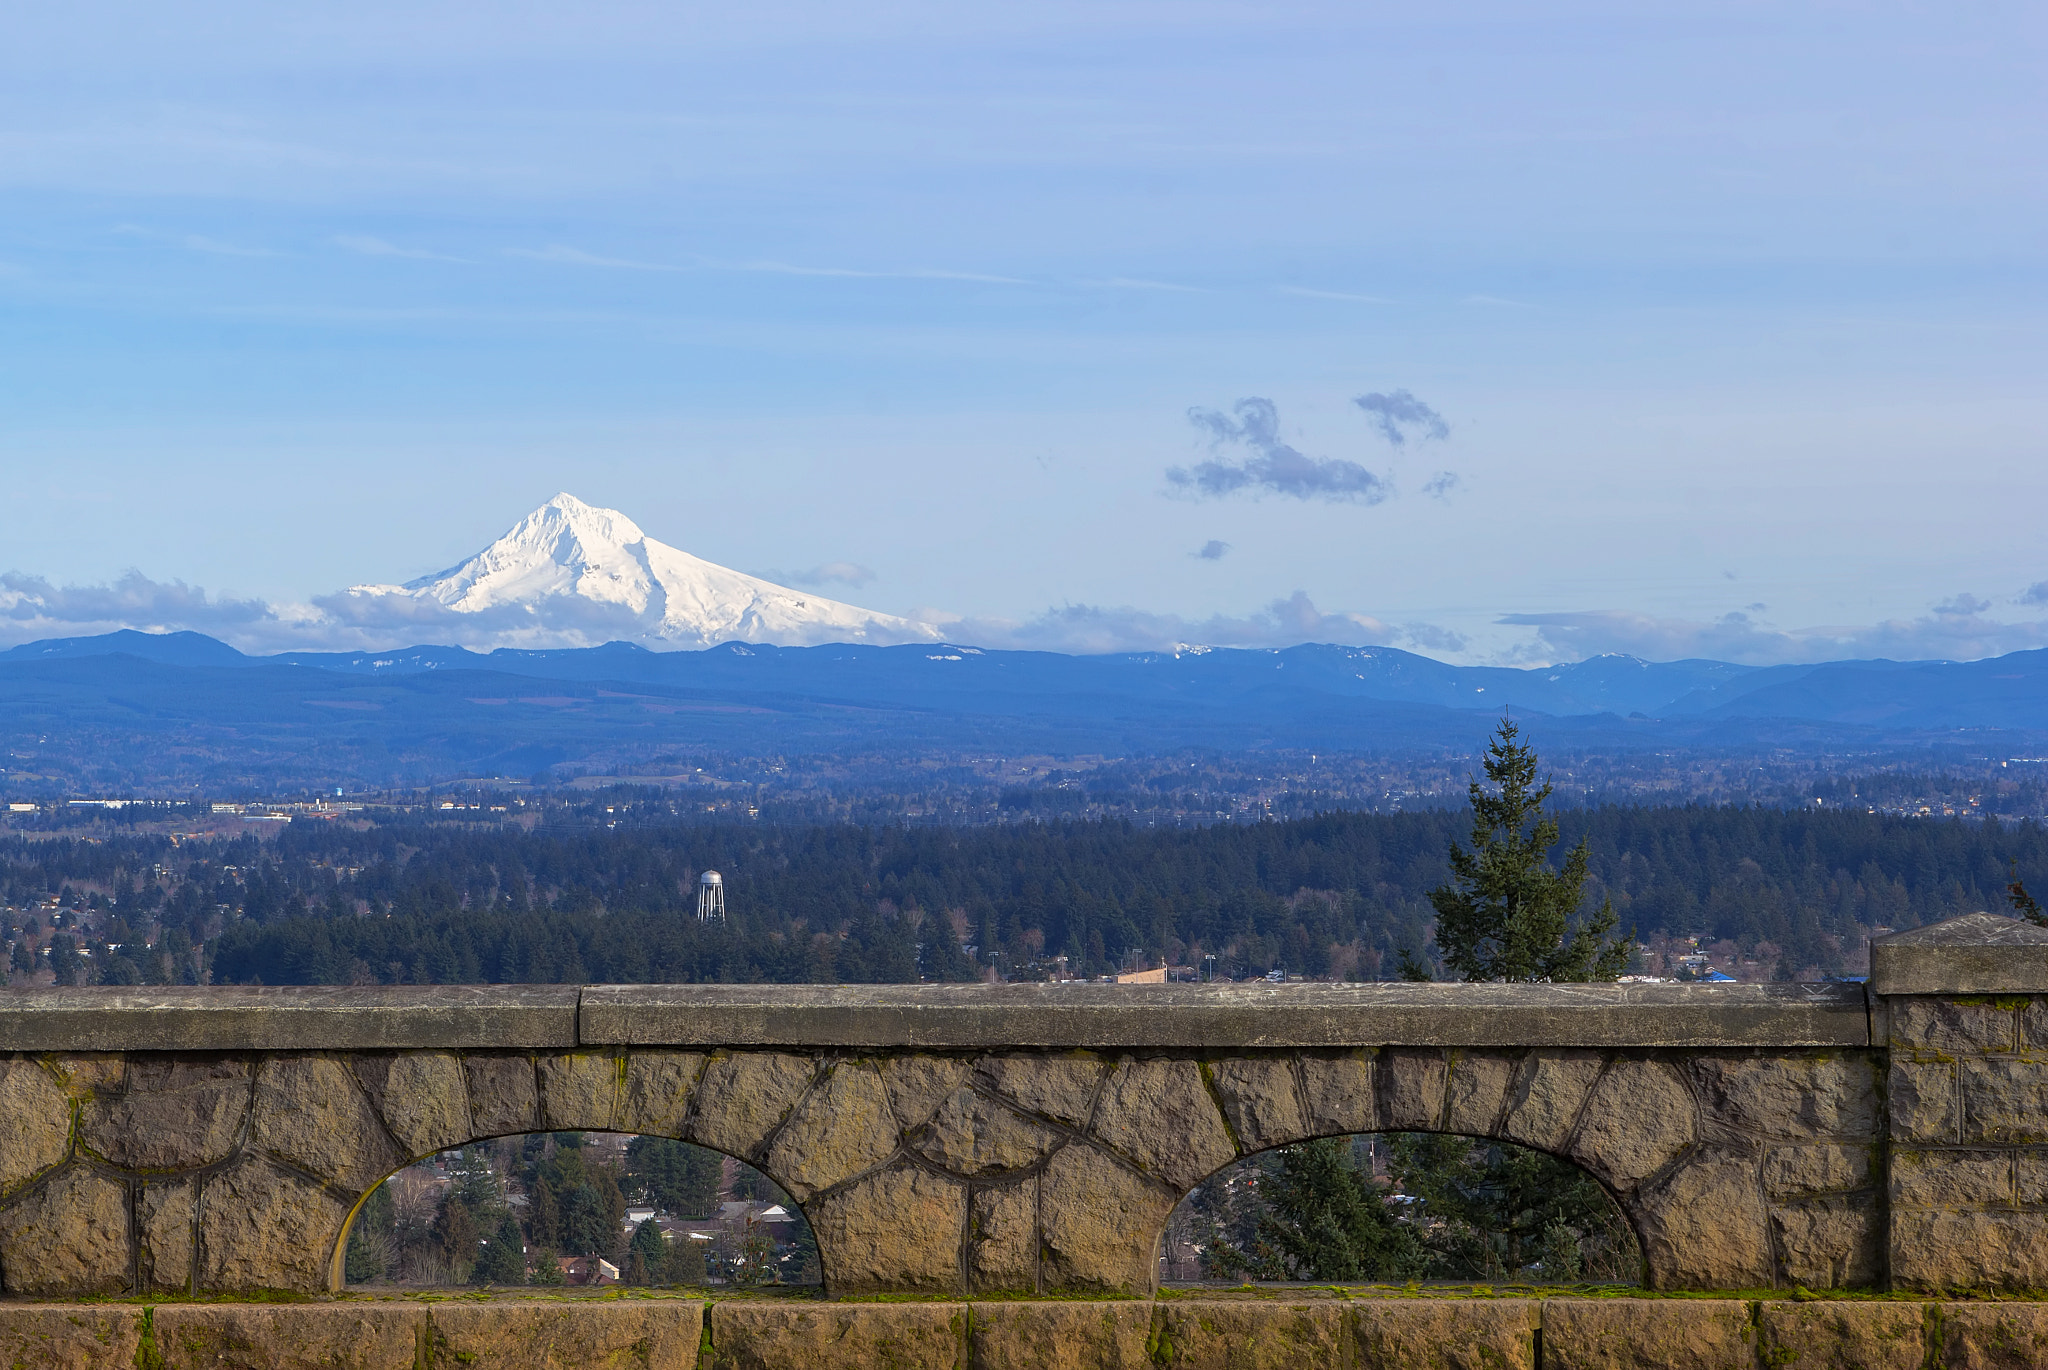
<point>1496,336</point>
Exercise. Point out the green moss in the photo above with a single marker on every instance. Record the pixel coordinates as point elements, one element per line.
<point>148,1356</point>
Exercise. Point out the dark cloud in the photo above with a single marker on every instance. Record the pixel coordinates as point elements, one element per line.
<point>1398,411</point>
<point>2036,593</point>
<point>1272,465</point>
<point>1212,550</point>
<point>1430,637</point>
<point>1442,484</point>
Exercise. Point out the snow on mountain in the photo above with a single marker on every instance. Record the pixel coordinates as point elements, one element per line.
<point>572,575</point>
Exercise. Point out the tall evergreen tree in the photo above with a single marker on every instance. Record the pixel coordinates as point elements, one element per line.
<point>1506,913</point>
<point>1327,1220</point>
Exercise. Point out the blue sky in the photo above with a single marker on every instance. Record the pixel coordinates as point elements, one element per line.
<point>1731,314</point>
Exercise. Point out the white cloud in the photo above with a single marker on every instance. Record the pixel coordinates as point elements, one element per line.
<point>1086,629</point>
<point>1954,630</point>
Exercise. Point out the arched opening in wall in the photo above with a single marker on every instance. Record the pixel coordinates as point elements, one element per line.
<point>1400,1207</point>
<point>579,1208</point>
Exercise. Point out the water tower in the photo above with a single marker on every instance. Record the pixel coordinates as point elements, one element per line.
<point>710,897</point>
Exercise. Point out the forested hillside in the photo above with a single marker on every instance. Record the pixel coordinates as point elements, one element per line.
<point>420,901</point>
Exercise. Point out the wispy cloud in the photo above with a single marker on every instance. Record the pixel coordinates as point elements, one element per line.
<point>196,242</point>
<point>1140,283</point>
<point>1396,412</point>
<point>1088,629</point>
<point>857,273</point>
<point>1954,630</point>
<point>1212,550</point>
<point>2037,593</point>
<point>576,256</point>
<point>1272,466</point>
<point>365,246</point>
<point>1342,295</point>
<point>828,573</point>
<point>1442,485</point>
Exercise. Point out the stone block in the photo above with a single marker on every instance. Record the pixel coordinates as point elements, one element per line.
<point>1093,1334</point>
<point>1260,1101</point>
<point>1336,1092</point>
<point>504,1096</point>
<point>173,1113</point>
<point>1411,1089</point>
<point>422,1098</point>
<point>2031,1178</point>
<point>2034,1024</point>
<point>313,1115</point>
<point>896,1231</point>
<point>1648,1334</point>
<point>745,1096</point>
<point>1637,1120</point>
<point>1842,1335</point>
<point>639,1334</point>
<point>1924,1106</point>
<point>68,1235</point>
<point>1446,1334</point>
<point>1002,1239</point>
<point>1832,1243</point>
<point>579,1090</point>
<point>288,1336</point>
<point>1098,1225</point>
<point>784,1336</point>
<point>1060,1087</point>
<point>1160,1115</point>
<point>841,1129</point>
<point>655,1093</point>
<point>71,1337</point>
<point>35,1123</point>
<point>1477,1093</point>
<point>1810,1095</point>
<point>1242,1335</point>
<point>918,1084</point>
<point>166,1232</point>
<point>971,1134</point>
<point>2005,1100</point>
<point>1943,1027</point>
<point>1951,1179</point>
<point>1820,1168</point>
<point>265,1228</point>
<point>1946,1250</point>
<point>1548,1093</point>
<point>1703,1226</point>
<point>1994,1336</point>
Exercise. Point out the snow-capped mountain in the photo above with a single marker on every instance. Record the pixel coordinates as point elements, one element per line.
<point>572,575</point>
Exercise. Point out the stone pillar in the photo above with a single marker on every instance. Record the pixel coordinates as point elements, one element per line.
<point>1963,1005</point>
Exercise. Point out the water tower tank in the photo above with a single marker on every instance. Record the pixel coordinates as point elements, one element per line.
<point>710,897</point>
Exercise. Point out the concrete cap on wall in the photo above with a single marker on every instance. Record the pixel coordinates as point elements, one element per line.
<point>1979,953</point>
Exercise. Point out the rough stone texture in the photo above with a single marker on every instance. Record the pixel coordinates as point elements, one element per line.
<point>76,1224</point>
<point>1060,1087</point>
<point>229,1336</point>
<point>421,1097</point>
<point>841,1128</point>
<point>1098,1225</point>
<point>1994,1336</point>
<point>1648,1334</point>
<point>1160,1115</point>
<point>1936,1250</point>
<point>1835,1243</point>
<point>1951,1179</point>
<point>1477,1092</point>
<point>174,1113</point>
<point>2031,1179</point>
<point>166,1217</point>
<point>1336,1092</point>
<point>903,1336</point>
<point>70,1337</point>
<point>1002,1239</point>
<point>971,1134</point>
<point>35,1123</point>
<point>579,1090</point>
<point>1939,1026</point>
<point>917,1085</point>
<point>503,1096</point>
<point>1260,1101</point>
<point>310,1113</point>
<point>1824,1168</point>
<point>1923,1102</point>
<point>656,1091</point>
<point>1201,1335</point>
<point>263,1228</point>
<point>1793,1096</point>
<point>898,1230</point>
<point>646,1334</point>
<point>1446,1334</point>
<point>1979,953</point>
<point>1411,1088</point>
<point>1547,1097</point>
<point>1703,1226</point>
<point>1843,1336</point>
<point>1099,1334</point>
<point>2005,1100</point>
<point>745,1096</point>
<point>1637,1120</point>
